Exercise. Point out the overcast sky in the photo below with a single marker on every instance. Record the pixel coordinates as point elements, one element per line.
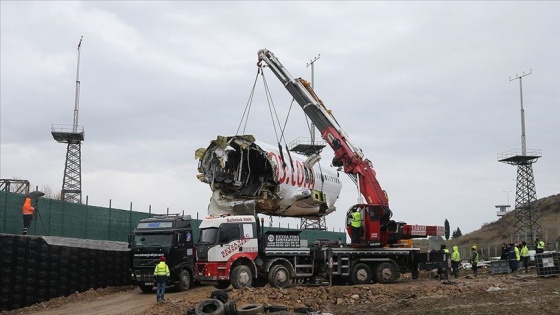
<point>422,87</point>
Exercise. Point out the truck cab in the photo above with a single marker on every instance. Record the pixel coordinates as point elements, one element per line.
<point>164,235</point>
<point>227,245</point>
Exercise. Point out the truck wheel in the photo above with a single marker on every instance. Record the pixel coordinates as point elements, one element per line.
<point>222,285</point>
<point>361,274</point>
<point>146,288</point>
<point>184,281</point>
<point>241,277</point>
<point>385,272</point>
<point>251,309</point>
<point>209,307</point>
<point>279,276</point>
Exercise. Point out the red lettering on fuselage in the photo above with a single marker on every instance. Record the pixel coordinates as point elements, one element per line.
<point>301,175</point>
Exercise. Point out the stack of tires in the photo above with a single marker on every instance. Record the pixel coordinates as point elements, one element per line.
<point>35,271</point>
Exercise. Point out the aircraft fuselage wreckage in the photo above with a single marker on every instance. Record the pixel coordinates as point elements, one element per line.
<point>249,177</point>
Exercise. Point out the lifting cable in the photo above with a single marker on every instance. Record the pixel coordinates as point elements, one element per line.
<point>248,106</point>
<point>274,114</point>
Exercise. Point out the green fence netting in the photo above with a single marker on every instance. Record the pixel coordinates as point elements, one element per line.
<point>58,218</point>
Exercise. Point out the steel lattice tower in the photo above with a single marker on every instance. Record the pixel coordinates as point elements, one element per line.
<point>73,137</point>
<point>527,225</point>
<point>313,147</point>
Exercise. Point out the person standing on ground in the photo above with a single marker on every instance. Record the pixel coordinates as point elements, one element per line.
<point>512,256</point>
<point>474,260</point>
<point>540,246</point>
<point>28,211</point>
<point>455,261</point>
<point>525,256</point>
<point>161,273</point>
<point>356,226</point>
<point>517,253</point>
<point>505,251</point>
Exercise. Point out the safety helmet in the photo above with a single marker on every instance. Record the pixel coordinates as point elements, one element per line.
<point>162,258</point>
<point>473,247</point>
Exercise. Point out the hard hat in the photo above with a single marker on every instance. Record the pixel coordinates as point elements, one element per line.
<point>162,258</point>
<point>473,247</point>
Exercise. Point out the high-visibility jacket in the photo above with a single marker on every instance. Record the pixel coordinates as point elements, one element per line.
<point>455,256</point>
<point>517,256</point>
<point>27,207</point>
<point>474,257</point>
<point>524,251</point>
<point>161,269</point>
<point>540,244</point>
<point>356,219</point>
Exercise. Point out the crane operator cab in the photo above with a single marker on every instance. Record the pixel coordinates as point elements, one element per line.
<point>373,219</point>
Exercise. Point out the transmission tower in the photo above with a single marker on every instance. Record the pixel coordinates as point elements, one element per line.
<point>73,137</point>
<point>527,223</point>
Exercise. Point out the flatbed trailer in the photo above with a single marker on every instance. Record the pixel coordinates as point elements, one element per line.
<point>280,258</point>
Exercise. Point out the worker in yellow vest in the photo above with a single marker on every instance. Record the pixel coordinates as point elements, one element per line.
<point>356,226</point>
<point>525,256</point>
<point>455,261</point>
<point>540,245</point>
<point>474,260</point>
<point>161,274</point>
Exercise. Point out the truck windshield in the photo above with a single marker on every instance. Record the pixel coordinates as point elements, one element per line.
<point>143,239</point>
<point>208,236</point>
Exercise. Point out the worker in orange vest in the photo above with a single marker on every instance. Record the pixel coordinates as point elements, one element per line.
<point>28,211</point>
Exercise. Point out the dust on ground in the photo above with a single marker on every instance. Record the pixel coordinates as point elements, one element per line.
<point>487,294</point>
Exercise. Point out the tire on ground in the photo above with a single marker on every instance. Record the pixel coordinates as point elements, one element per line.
<point>250,309</point>
<point>209,307</point>
<point>222,285</point>
<point>275,308</point>
<point>241,277</point>
<point>219,295</point>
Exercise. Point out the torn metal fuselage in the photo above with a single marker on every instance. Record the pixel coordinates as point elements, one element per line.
<point>249,177</point>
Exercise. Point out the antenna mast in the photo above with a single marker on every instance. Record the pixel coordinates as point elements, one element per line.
<point>312,64</point>
<point>527,219</point>
<point>77,98</point>
<point>523,141</point>
<point>72,136</point>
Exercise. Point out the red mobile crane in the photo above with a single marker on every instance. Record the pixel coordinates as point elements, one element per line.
<point>237,250</point>
<point>378,228</point>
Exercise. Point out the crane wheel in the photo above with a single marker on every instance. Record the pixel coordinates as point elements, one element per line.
<point>385,272</point>
<point>361,274</point>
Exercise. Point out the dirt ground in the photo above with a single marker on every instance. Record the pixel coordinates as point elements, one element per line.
<point>487,294</point>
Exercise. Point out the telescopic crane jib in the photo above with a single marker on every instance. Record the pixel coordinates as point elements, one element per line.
<point>378,228</point>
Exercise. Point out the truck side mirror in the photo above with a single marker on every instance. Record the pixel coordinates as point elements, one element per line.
<point>129,240</point>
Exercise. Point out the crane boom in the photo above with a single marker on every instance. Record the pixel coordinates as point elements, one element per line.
<point>347,155</point>
<point>378,228</point>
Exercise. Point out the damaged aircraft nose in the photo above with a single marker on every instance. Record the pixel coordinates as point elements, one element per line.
<point>248,177</point>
